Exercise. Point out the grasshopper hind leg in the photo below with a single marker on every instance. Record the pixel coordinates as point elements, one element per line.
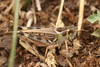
<point>50,47</point>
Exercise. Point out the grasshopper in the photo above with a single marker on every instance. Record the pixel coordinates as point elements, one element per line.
<point>45,37</point>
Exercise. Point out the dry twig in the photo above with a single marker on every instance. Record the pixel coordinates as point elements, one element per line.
<point>59,22</point>
<point>81,9</point>
<point>29,16</point>
<point>34,12</point>
<point>66,49</point>
<point>9,8</point>
<point>69,63</point>
<point>67,55</point>
<point>38,5</point>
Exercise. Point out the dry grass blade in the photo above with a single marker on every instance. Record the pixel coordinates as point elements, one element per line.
<point>9,8</point>
<point>69,63</point>
<point>81,9</point>
<point>33,5</point>
<point>59,22</point>
<point>66,49</point>
<point>67,55</point>
<point>29,16</point>
<point>38,5</point>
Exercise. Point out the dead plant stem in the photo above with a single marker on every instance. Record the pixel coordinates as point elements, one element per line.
<point>58,23</point>
<point>9,8</point>
<point>35,20</point>
<point>81,11</point>
<point>67,55</point>
<point>38,5</point>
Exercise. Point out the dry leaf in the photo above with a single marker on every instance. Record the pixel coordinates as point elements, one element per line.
<point>2,60</point>
<point>40,64</point>
<point>50,60</point>
<point>61,61</point>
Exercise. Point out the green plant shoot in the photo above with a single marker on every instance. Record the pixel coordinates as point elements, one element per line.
<point>95,17</point>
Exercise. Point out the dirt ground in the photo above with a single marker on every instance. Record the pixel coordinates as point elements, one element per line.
<point>85,54</point>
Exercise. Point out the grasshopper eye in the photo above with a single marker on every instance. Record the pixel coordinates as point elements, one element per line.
<point>19,28</point>
<point>60,29</point>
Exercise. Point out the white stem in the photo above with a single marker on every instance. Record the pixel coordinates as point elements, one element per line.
<point>29,22</point>
<point>81,10</point>
<point>59,21</point>
<point>38,5</point>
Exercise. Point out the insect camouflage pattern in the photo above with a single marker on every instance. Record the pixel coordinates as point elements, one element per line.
<point>47,37</point>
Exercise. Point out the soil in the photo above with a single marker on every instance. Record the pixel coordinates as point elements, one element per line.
<point>83,51</point>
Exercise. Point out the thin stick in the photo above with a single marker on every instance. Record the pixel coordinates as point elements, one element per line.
<point>69,63</point>
<point>34,12</point>
<point>9,8</point>
<point>67,55</point>
<point>58,23</point>
<point>29,22</point>
<point>38,5</point>
<point>81,9</point>
<point>66,49</point>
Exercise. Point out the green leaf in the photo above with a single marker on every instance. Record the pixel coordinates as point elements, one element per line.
<point>95,17</point>
<point>96,33</point>
<point>98,12</point>
<point>94,14</point>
